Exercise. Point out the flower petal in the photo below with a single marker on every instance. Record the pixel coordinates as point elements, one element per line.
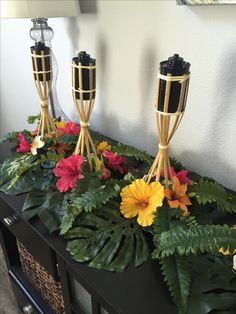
<point>145,219</point>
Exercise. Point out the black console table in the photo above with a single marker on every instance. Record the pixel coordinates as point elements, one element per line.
<point>85,290</point>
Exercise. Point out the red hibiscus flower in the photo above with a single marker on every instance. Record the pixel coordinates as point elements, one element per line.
<point>181,175</point>
<point>114,160</point>
<point>69,170</point>
<point>69,128</point>
<point>24,146</point>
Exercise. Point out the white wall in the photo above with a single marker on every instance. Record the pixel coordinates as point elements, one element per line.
<point>129,39</point>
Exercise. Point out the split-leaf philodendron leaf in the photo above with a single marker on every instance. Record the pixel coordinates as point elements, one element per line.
<point>107,241</point>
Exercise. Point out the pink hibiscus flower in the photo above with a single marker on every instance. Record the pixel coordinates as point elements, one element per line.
<point>181,175</point>
<point>69,170</point>
<point>70,128</point>
<point>114,160</point>
<point>24,146</point>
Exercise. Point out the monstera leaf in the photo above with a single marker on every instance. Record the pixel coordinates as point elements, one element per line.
<point>107,241</point>
<point>47,205</point>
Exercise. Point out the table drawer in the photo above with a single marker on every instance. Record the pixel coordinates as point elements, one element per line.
<point>31,240</point>
<point>28,299</point>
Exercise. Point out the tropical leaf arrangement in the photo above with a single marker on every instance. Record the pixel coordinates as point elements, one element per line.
<point>112,219</point>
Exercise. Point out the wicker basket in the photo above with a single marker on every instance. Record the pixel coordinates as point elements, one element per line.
<point>41,280</point>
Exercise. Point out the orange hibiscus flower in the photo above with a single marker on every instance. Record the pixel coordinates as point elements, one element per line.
<point>60,148</point>
<point>177,197</point>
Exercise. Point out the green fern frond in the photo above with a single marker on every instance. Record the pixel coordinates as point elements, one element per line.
<point>191,221</point>
<point>67,222</point>
<point>210,192</point>
<point>209,238</point>
<point>9,137</point>
<point>129,151</point>
<point>166,219</point>
<point>175,270</point>
<point>97,197</point>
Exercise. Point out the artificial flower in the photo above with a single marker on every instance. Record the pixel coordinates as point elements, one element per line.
<point>34,132</point>
<point>24,146</point>
<point>177,197</point>
<point>181,175</point>
<point>114,160</point>
<point>68,128</point>
<point>69,170</point>
<point>102,146</point>
<point>106,173</point>
<point>60,148</point>
<point>141,199</point>
<point>60,124</point>
<point>226,251</point>
<point>37,143</point>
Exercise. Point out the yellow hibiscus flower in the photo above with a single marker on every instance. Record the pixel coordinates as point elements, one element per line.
<point>102,146</point>
<point>141,199</point>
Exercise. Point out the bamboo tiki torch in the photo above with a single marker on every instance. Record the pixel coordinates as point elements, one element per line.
<point>42,69</point>
<point>172,90</point>
<point>84,91</point>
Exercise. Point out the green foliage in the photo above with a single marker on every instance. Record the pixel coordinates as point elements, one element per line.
<point>176,164</point>
<point>206,191</point>
<point>89,218</point>
<point>90,182</point>
<point>106,240</point>
<point>89,200</point>
<point>34,119</point>
<point>98,137</point>
<point>9,137</point>
<point>175,268</point>
<point>15,166</point>
<point>68,139</point>
<point>47,205</point>
<point>24,184</point>
<point>51,156</point>
<point>99,196</point>
<point>167,218</point>
<point>67,220</point>
<point>176,274</point>
<point>130,151</point>
<point>195,239</point>
<point>214,285</point>
<point>21,173</point>
<point>12,136</point>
